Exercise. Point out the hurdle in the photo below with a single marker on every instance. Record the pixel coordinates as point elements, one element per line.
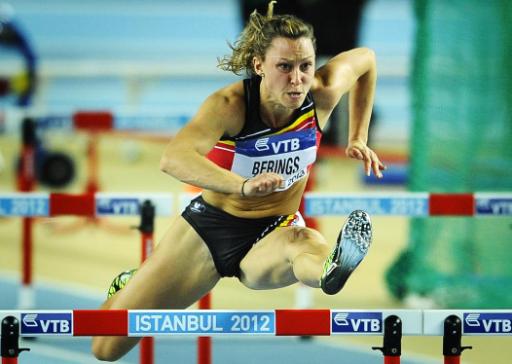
<point>391,324</point>
<point>36,204</point>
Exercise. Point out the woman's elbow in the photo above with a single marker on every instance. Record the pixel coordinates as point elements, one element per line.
<point>369,51</point>
<point>164,164</point>
<point>168,164</point>
<point>372,56</point>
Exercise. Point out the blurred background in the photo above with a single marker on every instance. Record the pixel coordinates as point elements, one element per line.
<point>442,122</point>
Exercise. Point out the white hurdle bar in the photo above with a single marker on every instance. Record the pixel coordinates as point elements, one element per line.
<point>391,324</point>
<point>100,204</point>
<point>280,322</point>
<point>411,204</point>
<point>149,121</point>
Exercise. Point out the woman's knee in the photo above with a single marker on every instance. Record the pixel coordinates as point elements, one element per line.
<point>306,236</point>
<point>305,240</point>
<point>101,351</point>
<point>110,348</point>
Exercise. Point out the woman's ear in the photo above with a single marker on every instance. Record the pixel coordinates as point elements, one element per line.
<point>257,65</point>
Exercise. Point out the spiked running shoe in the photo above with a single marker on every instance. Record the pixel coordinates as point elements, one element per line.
<point>352,245</point>
<point>120,281</point>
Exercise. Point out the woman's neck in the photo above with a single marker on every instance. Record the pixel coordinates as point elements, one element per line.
<point>273,113</point>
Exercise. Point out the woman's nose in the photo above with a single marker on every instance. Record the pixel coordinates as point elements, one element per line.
<point>295,77</point>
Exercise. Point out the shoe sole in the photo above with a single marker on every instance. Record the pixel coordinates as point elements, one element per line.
<point>354,242</point>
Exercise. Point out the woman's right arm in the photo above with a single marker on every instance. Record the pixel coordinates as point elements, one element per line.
<point>184,157</point>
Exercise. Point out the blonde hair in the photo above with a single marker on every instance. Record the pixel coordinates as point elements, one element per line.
<point>257,36</point>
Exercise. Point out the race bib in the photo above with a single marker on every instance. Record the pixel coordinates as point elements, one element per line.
<point>289,155</point>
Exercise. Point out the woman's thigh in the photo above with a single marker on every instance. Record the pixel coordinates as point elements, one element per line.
<point>178,273</point>
<point>269,263</point>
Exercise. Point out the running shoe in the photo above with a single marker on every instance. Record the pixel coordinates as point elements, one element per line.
<point>120,281</point>
<point>352,246</point>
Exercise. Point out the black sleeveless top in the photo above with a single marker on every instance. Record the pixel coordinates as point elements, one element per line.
<point>289,150</point>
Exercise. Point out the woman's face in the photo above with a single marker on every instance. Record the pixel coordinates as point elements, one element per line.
<point>288,69</point>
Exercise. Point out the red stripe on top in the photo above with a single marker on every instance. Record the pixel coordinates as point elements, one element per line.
<point>78,205</point>
<point>221,157</point>
<point>100,323</point>
<point>462,204</point>
<point>303,322</point>
<point>93,120</point>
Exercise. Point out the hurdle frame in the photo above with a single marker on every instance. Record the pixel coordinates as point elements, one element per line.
<point>451,324</point>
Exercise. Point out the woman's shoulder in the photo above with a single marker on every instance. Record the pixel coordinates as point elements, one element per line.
<point>230,96</point>
<point>227,104</point>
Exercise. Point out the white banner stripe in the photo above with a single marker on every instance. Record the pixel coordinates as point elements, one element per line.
<point>401,204</point>
<point>107,204</point>
<point>24,204</point>
<point>412,204</point>
<point>195,322</point>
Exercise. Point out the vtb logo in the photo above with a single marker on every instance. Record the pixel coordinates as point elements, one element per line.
<point>261,145</point>
<point>119,206</point>
<point>364,322</point>
<point>488,323</point>
<point>285,146</point>
<point>46,323</point>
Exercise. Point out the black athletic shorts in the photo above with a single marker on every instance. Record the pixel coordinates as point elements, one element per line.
<point>229,238</point>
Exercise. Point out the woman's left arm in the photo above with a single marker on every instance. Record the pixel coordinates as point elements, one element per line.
<point>355,72</point>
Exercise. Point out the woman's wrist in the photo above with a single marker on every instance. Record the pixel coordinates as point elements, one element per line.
<point>242,192</point>
<point>356,140</point>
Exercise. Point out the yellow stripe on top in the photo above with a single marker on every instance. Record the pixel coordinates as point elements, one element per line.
<point>288,220</point>
<point>303,117</point>
<point>226,142</point>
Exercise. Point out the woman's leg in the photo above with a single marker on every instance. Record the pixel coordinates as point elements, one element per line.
<point>285,256</point>
<point>178,273</point>
<point>292,254</point>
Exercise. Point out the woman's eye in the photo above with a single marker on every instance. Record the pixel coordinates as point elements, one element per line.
<point>304,67</point>
<point>284,66</point>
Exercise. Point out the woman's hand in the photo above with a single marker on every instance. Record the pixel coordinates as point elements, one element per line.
<point>359,150</point>
<point>261,185</point>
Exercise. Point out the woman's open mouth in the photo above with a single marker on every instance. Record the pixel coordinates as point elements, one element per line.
<point>295,95</point>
